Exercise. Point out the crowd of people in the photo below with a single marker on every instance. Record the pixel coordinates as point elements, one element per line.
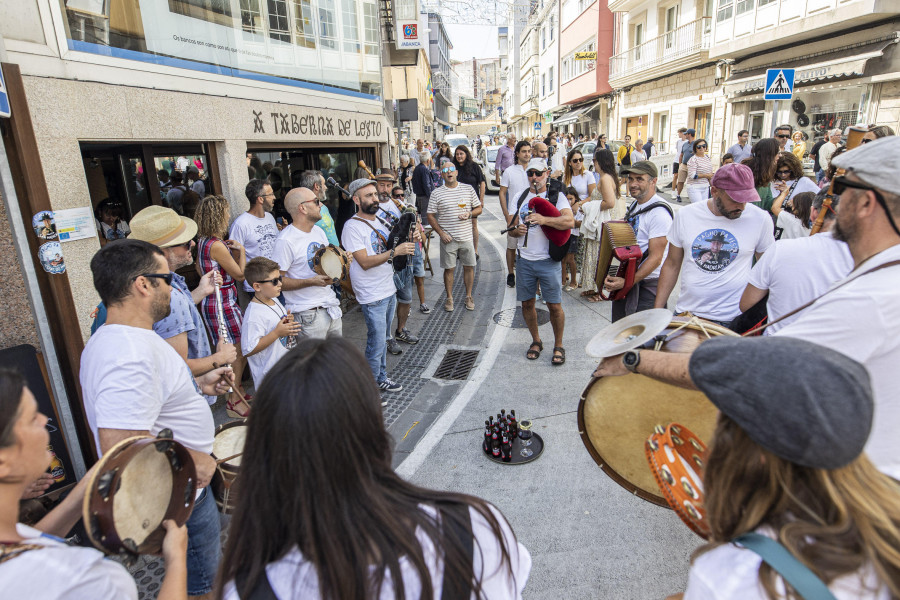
<point>805,457</point>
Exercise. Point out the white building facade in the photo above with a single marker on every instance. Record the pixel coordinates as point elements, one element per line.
<point>546,21</point>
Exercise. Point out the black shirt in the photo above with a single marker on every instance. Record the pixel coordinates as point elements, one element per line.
<point>815,153</point>
<point>471,174</point>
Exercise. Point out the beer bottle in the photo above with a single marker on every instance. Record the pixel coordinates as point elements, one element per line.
<point>513,425</point>
<point>495,447</point>
<point>505,448</point>
<point>486,444</point>
<point>56,467</point>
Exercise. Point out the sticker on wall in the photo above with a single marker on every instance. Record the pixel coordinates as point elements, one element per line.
<point>44,226</point>
<point>51,257</point>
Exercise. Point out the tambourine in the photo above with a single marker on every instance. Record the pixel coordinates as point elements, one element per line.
<point>676,457</point>
<point>140,482</point>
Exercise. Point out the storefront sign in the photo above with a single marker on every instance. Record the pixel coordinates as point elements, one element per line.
<point>75,224</point>
<point>809,74</point>
<point>586,56</point>
<point>319,126</point>
<point>411,35</point>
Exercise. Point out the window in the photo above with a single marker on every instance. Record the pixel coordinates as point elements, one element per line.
<point>662,139</point>
<point>251,18</point>
<point>553,26</point>
<point>405,10</point>
<point>543,84</point>
<point>744,6</point>
<point>327,24</point>
<point>725,11</point>
<point>573,68</point>
<point>671,25</point>
<point>567,66</point>
<point>764,2</point>
<point>638,39</point>
<point>582,5</point>
<point>304,28</point>
<point>550,79</point>
<point>543,37</point>
<point>370,25</point>
<point>350,26</point>
<point>278,20</point>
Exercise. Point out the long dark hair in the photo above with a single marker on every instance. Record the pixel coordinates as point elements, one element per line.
<point>316,475</point>
<point>762,161</point>
<point>800,206</point>
<point>466,165</point>
<point>607,163</point>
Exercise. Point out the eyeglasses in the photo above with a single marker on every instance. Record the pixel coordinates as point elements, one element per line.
<point>840,184</point>
<point>167,277</point>
<point>784,171</point>
<point>535,173</point>
<point>781,137</point>
<point>186,245</point>
<point>700,147</point>
<point>273,281</point>
<point>316,200</point>
<point>577,160</point>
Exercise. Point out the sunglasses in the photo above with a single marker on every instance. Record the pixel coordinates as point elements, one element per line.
<point>577,160</point>
<point>865,141</point>
<point>784,171</point>
<point>167,277</point>
<point>273,281</point>
<point>840,184</point>
<point>534,173</point>
<point>781,137</point>
<point>447,170</point>
<point>701,147</point>
<point>317,201</point>
<point>397,196</point>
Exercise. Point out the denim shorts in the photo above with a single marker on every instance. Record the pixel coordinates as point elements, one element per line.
<point>204,549</point>
<point>530,272</point>
<point>405,292</point>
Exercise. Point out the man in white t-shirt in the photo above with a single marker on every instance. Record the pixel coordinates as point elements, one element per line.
<point>827,150</point>
<point>651,218</point>
<point>134,383</point>
<point>860,316</point>
<point>513,182</point>
<point>256,229</point>
<point>308,295</point>
<point>713,245</point>
<point>450,211</point>
<point>795,271</point>
<point>535,265</point>
<point>373,276</point>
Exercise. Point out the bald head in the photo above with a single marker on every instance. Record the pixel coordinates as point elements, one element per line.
<point>540,150</point>
<point>295,198</point>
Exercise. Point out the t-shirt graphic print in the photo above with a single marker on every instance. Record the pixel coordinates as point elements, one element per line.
<point>714,249</point>
<point>311,254</point>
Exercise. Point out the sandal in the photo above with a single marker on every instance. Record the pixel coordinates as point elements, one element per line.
<point>594,298</point>
<point>559,359</point>
<point>231,409</point>
<point>533,354</point>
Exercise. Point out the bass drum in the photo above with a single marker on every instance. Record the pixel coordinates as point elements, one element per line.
<point>617,415</point>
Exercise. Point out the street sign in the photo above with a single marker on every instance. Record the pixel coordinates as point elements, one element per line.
<point>779,84</point>
<point>586,55</point>
<point>537,125</point>
<point>4,98</point>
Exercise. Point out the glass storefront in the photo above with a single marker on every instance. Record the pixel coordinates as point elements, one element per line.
<point>331,45</point>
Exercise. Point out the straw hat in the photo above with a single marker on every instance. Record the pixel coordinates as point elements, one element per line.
<point>162,227</point>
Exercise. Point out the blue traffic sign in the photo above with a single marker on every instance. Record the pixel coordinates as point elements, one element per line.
<point>537,125</point>
<point>4,97</point>
<point>779,84</point>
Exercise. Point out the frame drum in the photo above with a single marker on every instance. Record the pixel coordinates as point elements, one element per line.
<point>229,441</point>
<point>617,415</point>
<point>331,262</point>
<point>141,481</point>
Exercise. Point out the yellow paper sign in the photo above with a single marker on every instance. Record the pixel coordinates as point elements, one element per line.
<point>585,56</point>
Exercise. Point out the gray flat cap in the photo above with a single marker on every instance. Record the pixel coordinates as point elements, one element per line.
<point>803,402</point>
<point>359,184</point>
<point>876,163</point>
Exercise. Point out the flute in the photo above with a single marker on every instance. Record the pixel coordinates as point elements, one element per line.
<point>220,316</point>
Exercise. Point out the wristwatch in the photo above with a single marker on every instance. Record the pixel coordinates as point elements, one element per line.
<point>631,360</point>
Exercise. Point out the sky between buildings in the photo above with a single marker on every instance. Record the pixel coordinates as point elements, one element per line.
<point>478,41</point>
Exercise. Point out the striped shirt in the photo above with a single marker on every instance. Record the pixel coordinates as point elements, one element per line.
<point>699,164</point>
<point>445,203</point>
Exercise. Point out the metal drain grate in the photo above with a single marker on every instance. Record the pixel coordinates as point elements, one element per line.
<point>456,364</point>
<point>512,317</point>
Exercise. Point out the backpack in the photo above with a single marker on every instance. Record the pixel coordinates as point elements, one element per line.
<point>557,253</point>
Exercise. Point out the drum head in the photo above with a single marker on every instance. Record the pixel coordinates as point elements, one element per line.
<point>144,493</point>
<point>616,415</point>
<point>229,441</point>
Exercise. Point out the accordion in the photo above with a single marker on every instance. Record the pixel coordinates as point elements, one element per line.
<point>617,241</point>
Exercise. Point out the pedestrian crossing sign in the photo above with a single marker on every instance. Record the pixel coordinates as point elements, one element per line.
<point>779,84</point>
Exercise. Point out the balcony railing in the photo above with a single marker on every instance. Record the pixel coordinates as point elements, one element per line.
<point>681,42</point>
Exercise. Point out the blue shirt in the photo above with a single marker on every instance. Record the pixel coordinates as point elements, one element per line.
<point>687,151</point>
<point>739,153</point>
<point>184,318</point>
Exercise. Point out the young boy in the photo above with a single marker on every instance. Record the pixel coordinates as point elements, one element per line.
<point>267,325</point>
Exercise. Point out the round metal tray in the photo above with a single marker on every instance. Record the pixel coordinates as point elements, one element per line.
<point>537,448</point>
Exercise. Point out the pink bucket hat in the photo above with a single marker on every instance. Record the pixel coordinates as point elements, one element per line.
<point>737,181</point>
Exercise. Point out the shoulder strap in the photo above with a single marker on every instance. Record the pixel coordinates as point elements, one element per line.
<point>792,570</point>
<point>814,300</point>
<point>665,205</point>
<point>10,551</point>
<point>459,529</point>
<point>378,233</point>
<point>261,591</point>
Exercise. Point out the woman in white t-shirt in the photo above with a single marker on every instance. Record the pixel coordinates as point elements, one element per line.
<point>577,176</point>
<point>596,210</point>
<point>700,172</point>
<point>786,462</point>
<point>330,518</point>
<point>34,561</point>
<point>638,154</point>
<point>793,221</point>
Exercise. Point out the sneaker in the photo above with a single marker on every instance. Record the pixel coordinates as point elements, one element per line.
<point>448,305</point>
<point>384,403</point>
<point>511,280</point>
<point>470,304</point>
<point>677,198</point>
<point>393,347</point>
<point>389,386</point>
<point>405,336</point>
<point>423,308</point>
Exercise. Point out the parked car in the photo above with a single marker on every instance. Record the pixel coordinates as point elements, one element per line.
<point>456,139</point>
<point>487,167</point>
<point>587,150</point>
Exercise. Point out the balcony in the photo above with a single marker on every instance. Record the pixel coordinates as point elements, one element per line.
<point>684,47</point>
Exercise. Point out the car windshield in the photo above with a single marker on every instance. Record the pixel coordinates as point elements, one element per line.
<point>456,140</point>
<point>492,155</point>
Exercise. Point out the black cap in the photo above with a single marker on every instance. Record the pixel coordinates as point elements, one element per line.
<point>803,402</point>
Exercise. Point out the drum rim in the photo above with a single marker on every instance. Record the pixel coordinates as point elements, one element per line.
<point>220,429</point>
<point>94,506</point>
<point>659,500</point>
<point>345,264</point>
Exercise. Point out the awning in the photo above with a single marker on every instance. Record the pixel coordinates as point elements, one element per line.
<point>574,115</point>
<point>845,62</point>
